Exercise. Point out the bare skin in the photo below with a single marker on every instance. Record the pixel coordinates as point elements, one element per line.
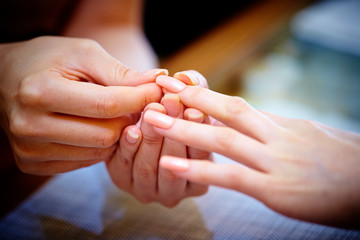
<point>60,114</point>
<point>302,169</point>
<point>65,101</point>
<point>135,165</point>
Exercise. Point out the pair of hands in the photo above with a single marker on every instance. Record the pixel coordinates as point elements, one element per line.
<point>65,103</point>
<point>135,165</point>
<point>299,168</point>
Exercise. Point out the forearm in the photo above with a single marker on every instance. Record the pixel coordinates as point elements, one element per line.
<point>117,27</point>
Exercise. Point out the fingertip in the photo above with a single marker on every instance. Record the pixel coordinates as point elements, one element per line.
<point>129,77</point>
<point>155,107</point>
<point>149,92</point>
<point>171,84</point>
<point>159,120</point>
<point>175,164</point>
<point>155,72</point>
<point>192,77</point>
<point>133,135</point>
<point>187,77</point>
<point>173,105</point>
<point>194,115</point>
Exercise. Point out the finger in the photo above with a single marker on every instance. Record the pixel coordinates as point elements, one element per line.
<point>235,112</point>
<point>121,164</point>
<point>171,187</point>
<point>223,140</point>
<point>69,130</point>
<point>54,93</point>
<point>195,115</point>
<point>33,151</point>
<point>53,167</point>
<point>145,168</point>
<point>229,176</point>
<point>191,77</point>
<point>95,63</point>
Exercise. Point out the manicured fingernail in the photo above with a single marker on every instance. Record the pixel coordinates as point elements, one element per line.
<point>172,104</point>
<point>158,119</point>
<point>133,135</point>
<point>175,164</point>
<point>187,77</point>
<point>171,84</point>
<point>156,72</point>
<point>196,117</point>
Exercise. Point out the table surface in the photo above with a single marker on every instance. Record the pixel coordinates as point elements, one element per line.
<point>84,204</point>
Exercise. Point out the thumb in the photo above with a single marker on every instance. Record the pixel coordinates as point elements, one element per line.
<point>106,70</point>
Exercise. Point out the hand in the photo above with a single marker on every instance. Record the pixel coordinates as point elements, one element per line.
<point>299,168</point>
<point>58,107</point>
<point>135,166</point>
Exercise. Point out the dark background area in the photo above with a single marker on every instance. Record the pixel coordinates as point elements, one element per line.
<point>170,25</point>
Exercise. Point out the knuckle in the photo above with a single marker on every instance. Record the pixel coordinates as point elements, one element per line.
<point>235,106</point>
<point>20,127</point>
<point>124,161</point>
<point>107,138</point>
<point>121,72</point>
<point>145,175</point>
<point>24,152</point>
<point>171,178</point>
<point>32,91</point>
<point>26,167</point>
<point>151,140</point>
<point>104,153</point>
<point>107,106</point>
<point>88,45</point>
<point>225,139</point>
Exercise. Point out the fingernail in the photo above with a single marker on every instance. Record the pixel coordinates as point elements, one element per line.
<point>187,78</point>
<point>171,84</point>
<point>158,119</point>
<point>172,104</point>
<point>156,72</point>
<point>196,117</point>
<point>168,96</point>
<point>175,164</point>
<point>132,136</point>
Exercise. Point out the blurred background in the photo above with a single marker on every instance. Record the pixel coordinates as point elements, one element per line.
<point>299,59</point>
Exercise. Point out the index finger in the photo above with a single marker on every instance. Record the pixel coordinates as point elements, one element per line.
<point>61,95</point>
<point>222,140</point>
<point>232,111</point>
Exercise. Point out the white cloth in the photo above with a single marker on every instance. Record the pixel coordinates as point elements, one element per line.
<point>84,204</point>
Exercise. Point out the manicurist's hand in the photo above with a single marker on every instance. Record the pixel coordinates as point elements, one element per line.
<point>65,101</point>
<point>299,168</point>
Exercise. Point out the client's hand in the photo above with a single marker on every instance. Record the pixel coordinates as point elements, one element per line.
<point>57,107</point>
<point>302,169</point>
<point>135,166</point>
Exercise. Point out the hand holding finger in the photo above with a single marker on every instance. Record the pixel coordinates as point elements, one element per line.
<point>233,111</point>
<point>171,187</point>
